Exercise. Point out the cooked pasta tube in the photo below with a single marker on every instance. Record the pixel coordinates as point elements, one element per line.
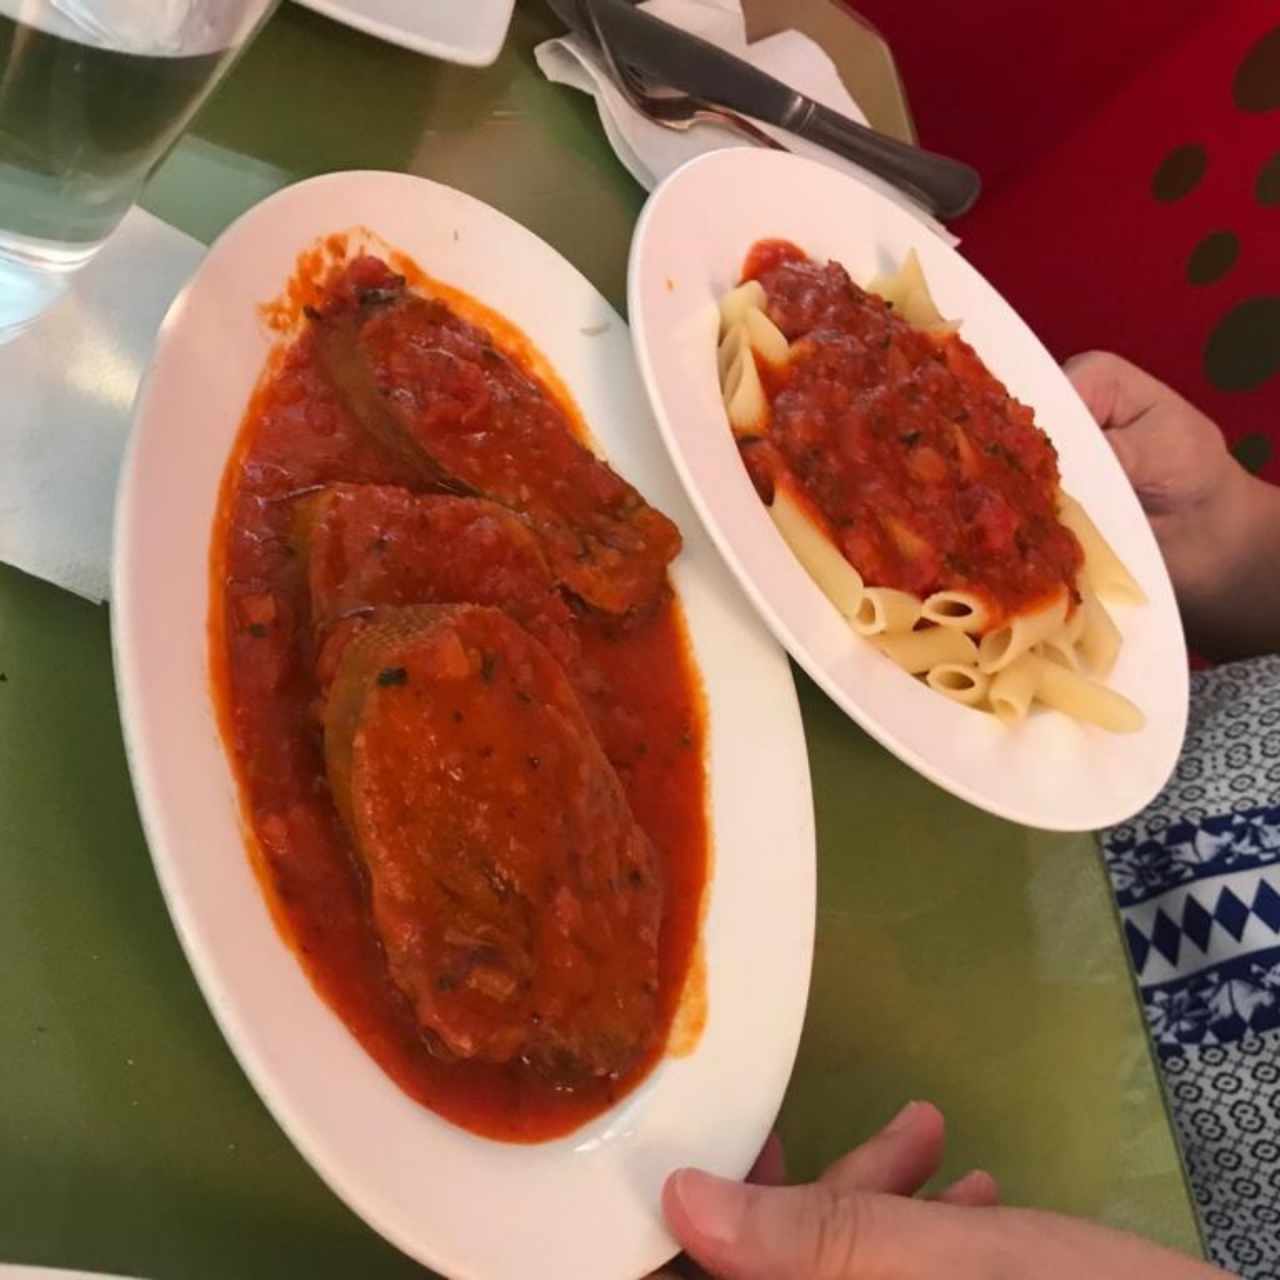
<point>908,292</point>
<point>766,339</point>
<point>885,609</point>
<point>959,681</point>
<point>1058,648</point>
<point>1100,637</point>
<point>744,398</point>
<point>920,651</point>
<point>1084,699</point>
<point>1012,690</point>
<point>735,304</point>
<point>839,580</point>
<point>894,285</point>
<point>1017,636</point>
<point>1104,571</point>
<point>1073,629</point>
<point>1063,646</point>
<point>730,349</point>
<point>962,610</point>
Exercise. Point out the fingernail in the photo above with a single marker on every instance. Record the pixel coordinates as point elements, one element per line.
<point>903,1119</point>
<point>714,1206</point>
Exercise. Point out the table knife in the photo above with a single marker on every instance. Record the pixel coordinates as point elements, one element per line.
<point>692,65</point>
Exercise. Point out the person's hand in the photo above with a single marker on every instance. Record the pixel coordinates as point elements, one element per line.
<point>1218,527</point>
<point>1174,456</point>
<point>860,1222</point>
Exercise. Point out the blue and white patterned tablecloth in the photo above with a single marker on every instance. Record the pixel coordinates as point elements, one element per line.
<point>1197,880</point>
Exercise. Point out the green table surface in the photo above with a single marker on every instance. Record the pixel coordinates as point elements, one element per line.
<point>959,958</point>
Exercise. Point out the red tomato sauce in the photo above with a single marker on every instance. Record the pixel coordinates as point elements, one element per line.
<point>928,474</point>
<point>646,705</point>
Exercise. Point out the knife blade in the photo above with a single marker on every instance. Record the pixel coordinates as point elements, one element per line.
<point>695,66</point>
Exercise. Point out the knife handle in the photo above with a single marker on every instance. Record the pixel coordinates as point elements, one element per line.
<point>946,187</point>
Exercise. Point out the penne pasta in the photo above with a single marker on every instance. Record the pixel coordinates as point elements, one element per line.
<point>766,339</point>
<point>821,558</point>
<point>1104,571</point>
<point>885,609</point>
<point>959,681</point>
<point>1099,637</point>
<point>919,651</point>
<point>730,348</point>
<point>907,291</point>
<point>1009,642</point>
<point>1012,690</point>
<point>1074,626</point>
<point>1084,699</point>
<point>1058,648</point>
<point>961,610</point>
<point>1045,654</point>
<point>740,385</point>
<point>894,286</point>
<point>744,398</point>
<point>1062,646</point>
<point>735,304</point>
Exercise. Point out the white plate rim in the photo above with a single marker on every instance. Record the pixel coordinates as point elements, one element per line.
<point>482,52</point>
<point>699,572</point>
<point>792,188</point>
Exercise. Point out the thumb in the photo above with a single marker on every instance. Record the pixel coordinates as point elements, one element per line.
<point>1116,392</point>
<point>1125,402</point>
<point>1136,453</point>
<point>742,1232</point>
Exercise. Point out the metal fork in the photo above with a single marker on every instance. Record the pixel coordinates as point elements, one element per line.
<point>670,109</point>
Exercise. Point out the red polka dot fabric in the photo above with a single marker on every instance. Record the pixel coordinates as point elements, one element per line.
<point>1131,156</point>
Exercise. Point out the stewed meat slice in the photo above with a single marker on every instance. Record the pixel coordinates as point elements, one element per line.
<point>440,396</point>
<point>370,545</point>
<point>518,901</point>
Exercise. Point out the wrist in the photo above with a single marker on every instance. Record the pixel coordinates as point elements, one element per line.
<point>1229,586</point>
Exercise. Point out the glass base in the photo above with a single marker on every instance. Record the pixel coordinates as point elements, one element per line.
<point>26,293</point>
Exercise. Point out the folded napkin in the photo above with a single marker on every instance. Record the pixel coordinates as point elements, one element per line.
<point>69,383</point>
<point>650,152</point>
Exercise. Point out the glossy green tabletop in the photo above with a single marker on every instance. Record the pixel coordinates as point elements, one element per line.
<point>959,958</point>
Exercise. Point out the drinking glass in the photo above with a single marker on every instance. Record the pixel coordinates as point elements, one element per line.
<point>93,93</point>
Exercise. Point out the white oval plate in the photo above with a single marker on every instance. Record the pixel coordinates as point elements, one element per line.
<point>467,31</point>
<point>688,249</point>
<point>586,1205</point>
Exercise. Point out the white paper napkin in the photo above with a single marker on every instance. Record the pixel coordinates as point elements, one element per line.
<point>650,152</point>
<point>66,393</point>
